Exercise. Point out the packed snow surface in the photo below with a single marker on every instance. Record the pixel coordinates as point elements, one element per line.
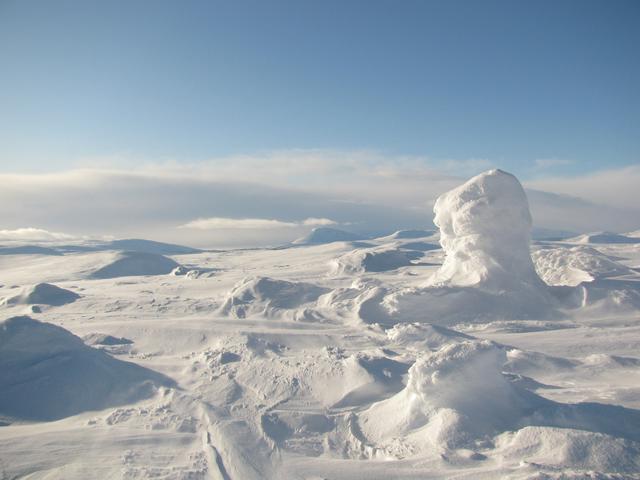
<point>328,359</point>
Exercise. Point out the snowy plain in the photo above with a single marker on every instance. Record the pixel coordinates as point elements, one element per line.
<point>467,352</point>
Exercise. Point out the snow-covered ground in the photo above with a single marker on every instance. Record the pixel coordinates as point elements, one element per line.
<point>367,359</point>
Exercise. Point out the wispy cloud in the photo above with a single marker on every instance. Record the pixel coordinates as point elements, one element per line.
<point>31,234</point>
<point>318,222</point>
<point>283,194</point>
<point>547,163</point>
<point>252,223</point>
<point>614,187</point>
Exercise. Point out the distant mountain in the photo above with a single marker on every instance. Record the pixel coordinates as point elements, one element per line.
<point>28,250</point>
<point>133,245</point>
<point>604,237</point>
<point>322,235</point>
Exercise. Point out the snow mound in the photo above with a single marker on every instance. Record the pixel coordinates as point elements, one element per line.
<point>370,260</point>
<point>457,397</point>
<point>47,373</point>
<point>128,264</point>
<point>604,237</point>
<point>423,336</point>
<point>360,302</point>
<point>560,448</point>
<point>322,235</point>
<point>572,266</point>
<point>150,246</point>
<point>485,231</point>
<point>268,297</point>
<point>43,294</point>
<point>453,395</point>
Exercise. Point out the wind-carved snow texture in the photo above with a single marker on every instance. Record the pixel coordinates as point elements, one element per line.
<point>487,273</point>
<point>457,397</point>
<point>364,260</point>
<point>574,265</point>
<point>485,232</point>
<point>408,361</point>
<point>267,296</point>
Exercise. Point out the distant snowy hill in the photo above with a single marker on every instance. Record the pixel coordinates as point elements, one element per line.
<point>321,235</point>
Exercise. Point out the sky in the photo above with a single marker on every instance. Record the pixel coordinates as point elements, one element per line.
<point>351,102</point>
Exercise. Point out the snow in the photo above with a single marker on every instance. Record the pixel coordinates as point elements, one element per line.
<point>321,235</point>
<point>605,237</point>
<point>267,296</point>
<point>486,358</point>
<point>485,231</point>
<point>127,264</point>
<point>574,265</point>
<point>43,293</point>
<point>375,259</point>
<point>48,373</point>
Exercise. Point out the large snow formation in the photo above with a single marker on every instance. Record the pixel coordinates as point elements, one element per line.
<point>487,273</point>
<point>457,397</point>
<point>485,231</point>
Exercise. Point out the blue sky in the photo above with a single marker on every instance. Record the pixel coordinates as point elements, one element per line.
<point>510,82</point>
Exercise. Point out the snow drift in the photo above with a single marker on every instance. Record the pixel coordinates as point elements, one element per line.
<point>128,264</point>
<point>267,296</point>
<point>457,397</point>
<point>423,336</point>
<point>377,259</point>
<point>574,265</point>
<point>43,294</point>
<point>47,373</point>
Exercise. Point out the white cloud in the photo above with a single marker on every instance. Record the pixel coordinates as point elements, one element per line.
<point>615,187</point>
<point>30,234</point>
<point>251,223</point>
<point>235,223</point>
<point>271,195</point>
<point>318,222</point>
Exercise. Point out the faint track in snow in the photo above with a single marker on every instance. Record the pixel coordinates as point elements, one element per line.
<point>214,459</point>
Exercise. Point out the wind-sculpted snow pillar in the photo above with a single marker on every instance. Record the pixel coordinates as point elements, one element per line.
<point>485,231</point>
